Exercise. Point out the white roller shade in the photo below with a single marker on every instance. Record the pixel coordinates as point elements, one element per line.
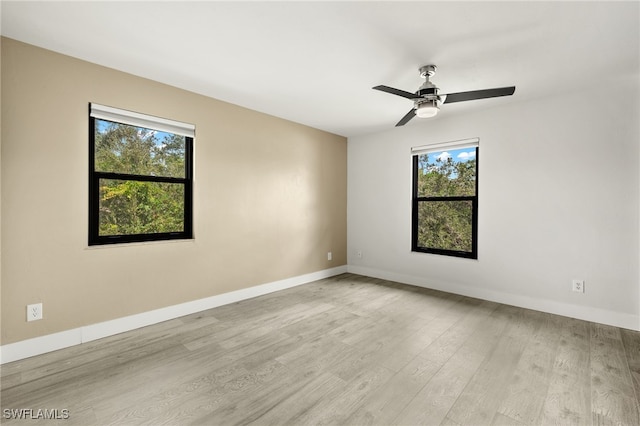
<point>464,143</point>
<point>142,120</point>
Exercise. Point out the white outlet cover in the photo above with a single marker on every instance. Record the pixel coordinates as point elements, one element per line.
<point>34,312</point>
<point>578,286</point>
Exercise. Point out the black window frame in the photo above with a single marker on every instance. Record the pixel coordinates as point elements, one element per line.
<point>94,196</point>
<point>416,200</point>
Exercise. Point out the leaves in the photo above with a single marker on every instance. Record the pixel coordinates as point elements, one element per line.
<point>128,207</point>
<point>132,207</point>
<point>445,224</point>
<point>446,178</point>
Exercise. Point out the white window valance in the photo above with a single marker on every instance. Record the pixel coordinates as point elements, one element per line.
<point>131,118</point>
<point>464,143</point>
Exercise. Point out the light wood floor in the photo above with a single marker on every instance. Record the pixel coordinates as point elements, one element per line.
<point>347,350</point>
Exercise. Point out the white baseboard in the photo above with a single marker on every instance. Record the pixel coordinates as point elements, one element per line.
<point>601,316</point>
<point>43,344</point>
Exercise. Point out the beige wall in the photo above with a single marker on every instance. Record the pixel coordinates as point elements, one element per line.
<point>269,202</point>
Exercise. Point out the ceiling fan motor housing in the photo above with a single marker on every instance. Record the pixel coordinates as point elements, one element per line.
<point>428,92</point>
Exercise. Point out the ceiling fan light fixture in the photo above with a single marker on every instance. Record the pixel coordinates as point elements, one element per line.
<point>427,109</point>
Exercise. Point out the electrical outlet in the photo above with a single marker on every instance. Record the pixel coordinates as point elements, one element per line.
<point>34,312</point>
<point>329,255</point>
<point>578,286</point>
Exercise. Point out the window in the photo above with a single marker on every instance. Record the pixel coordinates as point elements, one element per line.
<point>445,199</point>
<point>140,177</point>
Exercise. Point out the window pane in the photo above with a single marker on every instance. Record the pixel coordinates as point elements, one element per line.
<point>134,207</point>
<point>447,173</point>
<point>445,225</point>
<point>120,148</point>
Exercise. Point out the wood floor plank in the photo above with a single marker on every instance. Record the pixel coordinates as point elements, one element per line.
<point>477,406</point>
<point>319,324</point>
<point>613,398</point>
<point>471,313</point>
<point>103,350</point>
<point>224,332</point>
<point>448,422</point>
<point>255,401</point>
<point>298,402</point>
<point>414,343</point>
<point>568,400</point>
<point>198,402</point>
<point>346,350</point>
<point>384,405</point>
<point>335,407</point>
<point>254,331</point>
<point>631,343</point>
<point>435,399</point>
<point>501,420</point>
<point>75,382</point>
<point>529,385</point>
<point>193,372</point>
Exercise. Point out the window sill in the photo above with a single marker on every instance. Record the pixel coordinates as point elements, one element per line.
<point>138,243</point>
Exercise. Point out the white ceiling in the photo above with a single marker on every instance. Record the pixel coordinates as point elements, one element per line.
<point>315,62</point>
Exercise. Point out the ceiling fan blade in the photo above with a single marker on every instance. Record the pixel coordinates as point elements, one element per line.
<point>398,92</point>
<point>407,118</point>
<point>479,94</point>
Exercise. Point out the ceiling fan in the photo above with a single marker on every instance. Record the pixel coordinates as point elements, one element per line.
<point>427,100</point>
